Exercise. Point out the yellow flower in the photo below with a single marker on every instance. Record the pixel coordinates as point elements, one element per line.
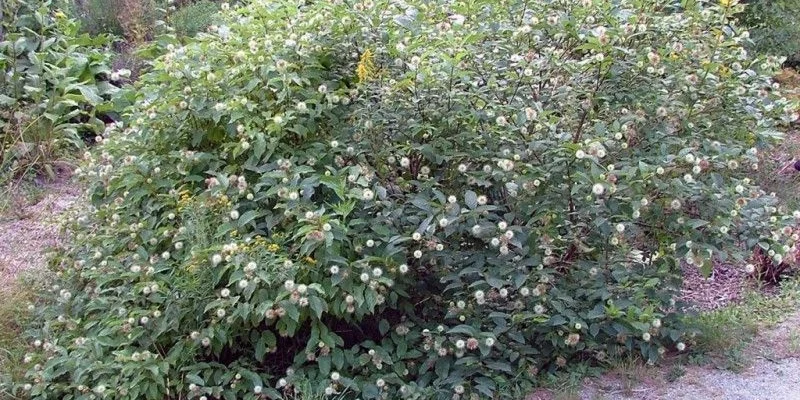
<point>272,248</point>
<point>58,14</point>
<point>726,3</point>
<point>366,66</point>
<point>310,260</point>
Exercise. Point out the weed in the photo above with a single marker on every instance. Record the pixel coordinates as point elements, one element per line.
<point>14,313</point>
<point>675,372</point>
<point>724,335</point>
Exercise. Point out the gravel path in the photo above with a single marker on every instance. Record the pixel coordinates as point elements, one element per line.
<point>773,373</point>
<point>25,239</point>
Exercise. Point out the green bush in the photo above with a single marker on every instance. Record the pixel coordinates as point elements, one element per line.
<point>98,17</point>
<point>773,27</point>
<point>55,85</point>
<point>193,18</point>
<point>426,200</point>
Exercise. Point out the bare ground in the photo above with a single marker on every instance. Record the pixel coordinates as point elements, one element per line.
<point>30,230</point>
<point>772,374</point>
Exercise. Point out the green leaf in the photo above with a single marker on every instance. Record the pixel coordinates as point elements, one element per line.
<point>317,305</point>
<point>383,327</point>
<point>370,391</point>
<point>471,199</point>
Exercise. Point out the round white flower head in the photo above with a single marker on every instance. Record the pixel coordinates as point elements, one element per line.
<point>416,236</point>
<point>368,194</point>
<point>289,285</point>
<point>334,269</point>
<point>489,342</point>
<point>234,214</point>
<point>580,154</point>
<point>216,259</point>
<point>417,254</point>
<point>443,222</point>
<point>335,376</point>
<point>598,189</point>
<point>364,277</point>
<point>620,228</point>
<point>225,292</point>
<point>403,268</point>
<point>502,225</point>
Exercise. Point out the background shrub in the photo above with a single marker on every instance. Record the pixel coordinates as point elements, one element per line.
<point>773,27</point>
<point>193,17</point>
<point>426,200</point>
<point>55,88</point>
<point>98,16</point>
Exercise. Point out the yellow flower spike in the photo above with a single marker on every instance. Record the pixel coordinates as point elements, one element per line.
<point>310,260</point>
<point>726,3</point>
<point>273,248</point>
<point>59,14</point>
<point>366,66</point>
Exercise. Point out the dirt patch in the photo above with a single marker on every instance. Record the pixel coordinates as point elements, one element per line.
<point>726,285</point>
<point>25,238</point>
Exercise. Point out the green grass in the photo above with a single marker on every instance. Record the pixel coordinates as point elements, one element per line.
<point>14,197</point>
<point>725,335</point>
<point>13,314</point>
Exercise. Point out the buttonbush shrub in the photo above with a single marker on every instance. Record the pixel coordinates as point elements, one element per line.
<point>430,200</point>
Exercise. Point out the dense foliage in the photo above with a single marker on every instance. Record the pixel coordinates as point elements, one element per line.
<point>417,199</point>
<point>773,27</point>
<point>55,85</point>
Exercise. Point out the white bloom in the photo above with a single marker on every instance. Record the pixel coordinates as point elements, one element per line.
<point>225,292</point>
<point>364,277</point>
<point>417,254</point>
<point>334,269</point>
<point>243,283</point>
<point>620,228</point>
<point>580,154</point>
<point>598,189</point>
<point>403,268</point>
<point>368,194</point>
<point>443,222</point>
<point>216,259</point>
